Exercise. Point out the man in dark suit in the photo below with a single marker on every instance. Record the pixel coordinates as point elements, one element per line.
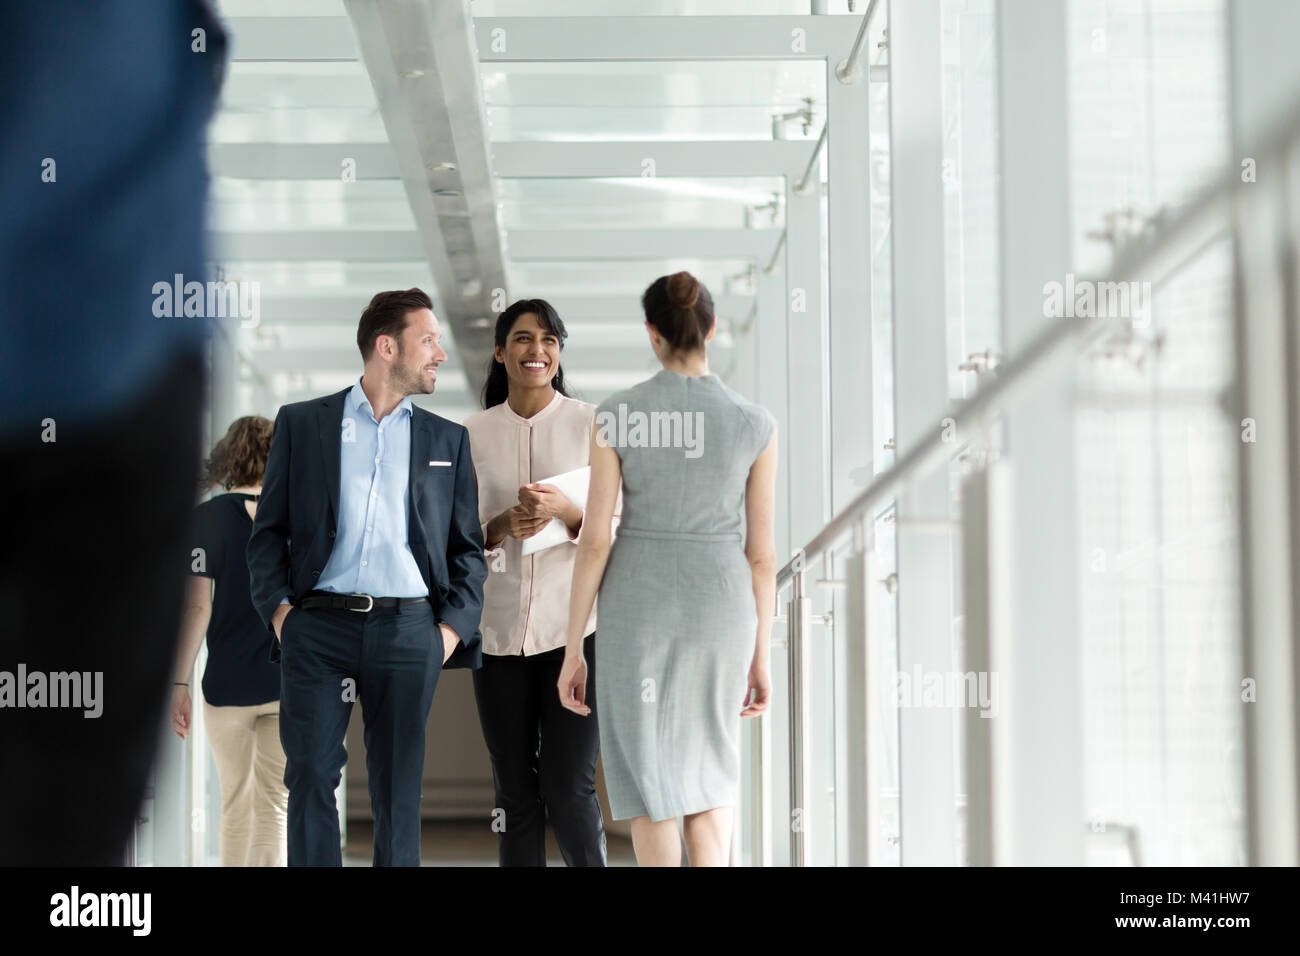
<point>366,536</point>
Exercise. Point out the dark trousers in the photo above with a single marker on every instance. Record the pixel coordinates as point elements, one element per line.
<point>543,759</point>
<point>390,659</point>
<point>92,572</point>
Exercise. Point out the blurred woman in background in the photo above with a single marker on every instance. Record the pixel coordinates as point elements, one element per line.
<point>241,686</point>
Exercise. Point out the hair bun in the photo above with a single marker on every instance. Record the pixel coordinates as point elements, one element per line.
<point>683,290</point>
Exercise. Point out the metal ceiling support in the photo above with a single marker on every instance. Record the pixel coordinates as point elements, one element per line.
<point>421,60</point>
<point>554,245</point>
<point>701,159</point>
<point>599,38</point>
<point>302,160</point>
<point>305,245</point>
<point>291,38</point>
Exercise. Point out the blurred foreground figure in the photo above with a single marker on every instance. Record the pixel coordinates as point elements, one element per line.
<point>102,194</point>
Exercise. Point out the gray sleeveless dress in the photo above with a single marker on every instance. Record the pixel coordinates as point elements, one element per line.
<point>676,603</point>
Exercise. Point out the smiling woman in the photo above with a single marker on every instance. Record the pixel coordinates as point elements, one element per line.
<point>530,432</point>
<point>528,338</point>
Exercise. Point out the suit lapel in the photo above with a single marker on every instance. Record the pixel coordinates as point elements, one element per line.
<point>330,422</point>
<point>420,444</point>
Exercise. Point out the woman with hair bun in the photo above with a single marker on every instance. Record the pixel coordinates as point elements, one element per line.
<point>241,686</point>
<point>685,606</point>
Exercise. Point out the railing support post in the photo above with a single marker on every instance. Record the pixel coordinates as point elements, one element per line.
<point>799,623</point>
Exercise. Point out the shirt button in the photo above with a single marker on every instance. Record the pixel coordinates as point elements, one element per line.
<point>370,527</point>
<point>376,461</point>
<point>363,564</point>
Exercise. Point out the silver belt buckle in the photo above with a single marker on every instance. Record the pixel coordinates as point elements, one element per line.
<point>363,610</point>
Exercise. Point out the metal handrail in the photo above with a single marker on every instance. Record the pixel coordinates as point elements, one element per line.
<point>1162,252</point>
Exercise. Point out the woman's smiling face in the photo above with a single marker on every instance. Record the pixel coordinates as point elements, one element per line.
<point>531,354</point>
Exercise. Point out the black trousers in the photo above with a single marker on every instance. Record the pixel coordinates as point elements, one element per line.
<point>543,759</point>
<point>390,658</point>
<point>92,572</point>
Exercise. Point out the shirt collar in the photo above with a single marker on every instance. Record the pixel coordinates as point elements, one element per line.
<point>357,402</point>
<point>551,406</point>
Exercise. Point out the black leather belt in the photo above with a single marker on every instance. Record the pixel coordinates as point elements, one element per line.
<point>355,602</point>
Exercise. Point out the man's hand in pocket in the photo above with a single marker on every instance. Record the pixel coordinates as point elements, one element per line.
<point>450,641</point>
<point>278,616</point>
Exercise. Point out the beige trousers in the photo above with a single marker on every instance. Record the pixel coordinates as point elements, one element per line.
<point>254,800</point>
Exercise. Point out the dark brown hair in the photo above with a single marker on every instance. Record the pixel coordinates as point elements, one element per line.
<point>680,309</point>
<point>386,315</point>
<point>239,459</point>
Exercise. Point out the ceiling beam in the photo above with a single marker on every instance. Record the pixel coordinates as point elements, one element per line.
<point>586,245</point>
<point>301,160</point>
<point>291,38</point>
<point>602,38</point>
<point>702,159</point>
<point>589,307</point>
<point>304,245</point>
<point>345,310</point>
<point>651,158</point>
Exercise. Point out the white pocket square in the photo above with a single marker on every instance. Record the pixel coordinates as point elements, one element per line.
<point>443,464</point>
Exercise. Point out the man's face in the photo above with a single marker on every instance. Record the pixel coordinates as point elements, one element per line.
<point>415,369</point>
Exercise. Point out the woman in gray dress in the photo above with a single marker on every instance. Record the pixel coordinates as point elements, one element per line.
<point>685,610</point>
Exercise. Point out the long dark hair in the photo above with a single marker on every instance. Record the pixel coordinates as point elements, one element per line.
<point>680,309</point>
<point>497,386</point>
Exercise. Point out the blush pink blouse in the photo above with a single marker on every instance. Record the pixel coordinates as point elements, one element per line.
<point>526,599</point>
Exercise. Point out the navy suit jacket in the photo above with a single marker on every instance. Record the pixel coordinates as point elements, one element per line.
<point>297,517</point>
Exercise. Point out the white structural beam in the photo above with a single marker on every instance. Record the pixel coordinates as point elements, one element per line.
<point>245,90</point>
<point>302,160</point>
<point>554,245</point>
<point>851,395</point>
<point>291,38</point>
<point>1038,811</point>
<point>928,788</point>
<point>806,358</point>
<point>650,158</point>
<point>295,245</point>
<point>773,387</point>
<point>600,38</point>
<point>1265,84</point>
<point>808,442</point>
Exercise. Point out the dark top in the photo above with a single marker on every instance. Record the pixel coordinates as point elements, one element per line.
<point>239,671</point>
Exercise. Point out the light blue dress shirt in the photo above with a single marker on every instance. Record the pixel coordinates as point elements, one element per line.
<point>372,553</point>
